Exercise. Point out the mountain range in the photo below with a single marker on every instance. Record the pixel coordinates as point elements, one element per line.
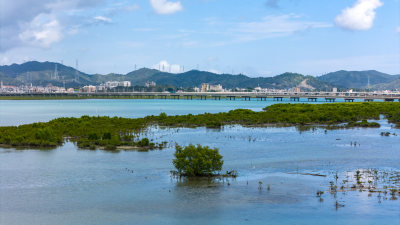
<point>44,73</point>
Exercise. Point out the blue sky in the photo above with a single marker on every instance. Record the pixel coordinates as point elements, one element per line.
<point>254,37</point>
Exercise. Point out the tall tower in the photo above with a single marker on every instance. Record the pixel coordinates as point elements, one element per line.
<point>55,72</point>
<point>76,72</point>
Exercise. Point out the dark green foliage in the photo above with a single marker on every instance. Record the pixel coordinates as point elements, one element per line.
<point>197,160</point>
<point>144,142</point>
<point>103,131</point>
<point>363,123</point>
<point>87,132</point>
<point>93,137</point>
<point>107,136</point>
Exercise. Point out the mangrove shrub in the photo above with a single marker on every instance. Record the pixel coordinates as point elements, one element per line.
<point>197,160</point>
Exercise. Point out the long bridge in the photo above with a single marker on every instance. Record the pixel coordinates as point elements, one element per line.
<point>247,96</point>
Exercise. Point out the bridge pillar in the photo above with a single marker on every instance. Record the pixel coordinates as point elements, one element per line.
<point>278,99</point>
<point>349,100</point>
<point>312,99</point>
<point>295,99</point>
<point>330,99</point>
<point>389,100</point>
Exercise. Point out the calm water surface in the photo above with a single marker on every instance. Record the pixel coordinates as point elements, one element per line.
<point>71,186</point>
<point>28,111</point>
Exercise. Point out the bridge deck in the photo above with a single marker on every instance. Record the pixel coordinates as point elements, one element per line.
<point>229,95</point>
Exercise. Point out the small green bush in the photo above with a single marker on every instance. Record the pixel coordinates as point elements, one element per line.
<point>144,142</point>
<point>197,160</point>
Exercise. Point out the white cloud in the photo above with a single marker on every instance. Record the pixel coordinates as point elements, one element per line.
<point>274,26</point>
<point>42,23</point>
<point>102,19</point>
<point>360,16</point>
<point>166,7</point>
<point>164,66</point>
<point>119,7</point>
<point>42,31</point>
<point>398,29</point>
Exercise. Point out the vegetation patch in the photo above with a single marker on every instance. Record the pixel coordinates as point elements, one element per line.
<point>111,133</point>
<point>363,123</point>
<point>195,161</point>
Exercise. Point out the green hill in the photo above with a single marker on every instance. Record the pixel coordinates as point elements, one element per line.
<point>42,73</point>
<point>357,79</point>
<point>394,85</point>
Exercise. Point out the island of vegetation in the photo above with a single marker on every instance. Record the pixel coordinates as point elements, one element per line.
<point>194,161</point>
<point>120,133</point>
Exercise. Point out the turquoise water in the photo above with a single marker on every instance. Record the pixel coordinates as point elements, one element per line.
<point>72,186</point>
<point>29,111</point>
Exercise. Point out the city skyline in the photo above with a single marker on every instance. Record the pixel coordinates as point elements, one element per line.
<point>261,38</point>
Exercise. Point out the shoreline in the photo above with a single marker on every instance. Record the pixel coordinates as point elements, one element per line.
<point>92,132</point>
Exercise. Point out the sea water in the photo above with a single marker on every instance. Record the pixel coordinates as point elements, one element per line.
<point>277,169</point>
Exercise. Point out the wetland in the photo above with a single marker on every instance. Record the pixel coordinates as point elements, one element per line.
<point>285,174</point>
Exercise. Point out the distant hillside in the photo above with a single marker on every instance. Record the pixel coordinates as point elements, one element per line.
<point>357,79</point>
<point>394,85</point>
<point>42,73</point>
<point>195,78</point>
<point>137,77</point>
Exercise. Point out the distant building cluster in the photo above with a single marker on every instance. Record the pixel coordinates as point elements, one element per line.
<point>205,87</point>
<point>31,89</point>
<point>89,88</point>
<point>121,85</point>
<point>106,86</point>
<point>114,84</point>
<point>150,84</point>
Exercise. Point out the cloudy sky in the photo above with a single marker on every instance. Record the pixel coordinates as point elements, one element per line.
<point>257,37</point>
